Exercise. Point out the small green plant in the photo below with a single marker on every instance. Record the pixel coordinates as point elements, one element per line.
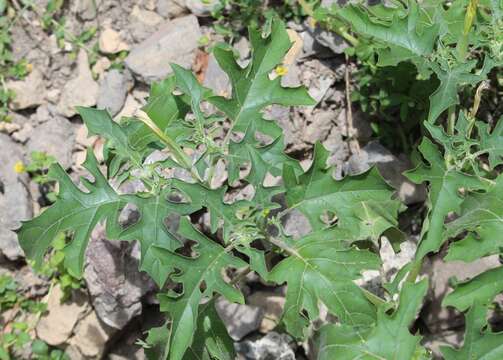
<point>8,294</point>
<point>234,16</point>
<point>41,351</point>
<point>54,268</point>
<point>15,334</point>
<point>194,265</point>
<point>9,68</point>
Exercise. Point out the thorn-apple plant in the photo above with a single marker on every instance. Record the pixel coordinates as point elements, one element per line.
<point>196,130</point>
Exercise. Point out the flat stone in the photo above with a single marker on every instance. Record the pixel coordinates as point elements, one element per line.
<point>150,59</point>
<point>90,338</point>
<point>55,137</point>
<point>272,304</point>
<point>143,23</point>
<point>330,40</point>
<point>113,91</point>
<point>200,8</point>
<point>130,108</point>
<point>82,137</point>
<point>320,126</point>
<point>271,346</point>
<point>240,320</point>
<point>29,92</point>
<point>86,9</point>
<point>15,203</point>
<point>170,8</point>
<point>81,90</point>
<point>216,79</point>
<point>113,279</point>
<point>110,42</point>
<point>56,326</point>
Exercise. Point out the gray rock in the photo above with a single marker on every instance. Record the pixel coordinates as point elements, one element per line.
<point>273,305</point>
<point>80,91</point>
<point>113,279</point>
<point>312,47</point>
<point>56,326</point>
<point>90,338</point>
<point>391,261</point>
<point>170,8</point>
<point>15,204</point>
<point>24,133</point>
<point>29,92</point>
<point>86,9</point>
<point>216,79</point>
<point>330,40</point>
<point>113,91</point>
<point>150,59</point>
<point>240,320</point>
<point>55,137</point>
<point>201,8</point>
<point>243,48</point>
<point>391,169</point>
<point>319,128</point>
<point>143,23</point>
<point>272,346</point>
<point>110,42</point>
<point>361,126</point>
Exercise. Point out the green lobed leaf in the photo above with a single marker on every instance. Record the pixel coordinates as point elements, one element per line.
<point>322,267</point>
<point>481,289</point>
<point>390,339</point>
<point>479,342</point>
<point>362,204</point>
<point>253,90</point>
<point>451,78</point>
<point>75,211</point>
<point>201,277</point>
<point>444,195</point>
<point>211,340</point>
<point>481,215</point>
<point>400,28</point>
<point>491,142</point>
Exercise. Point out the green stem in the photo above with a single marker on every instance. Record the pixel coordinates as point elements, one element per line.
<point>340,30</point>
<point>471,12</point>
<point>451,120</point>
<point>173,147</point>
<point>374,299</point>
<point>415,270</point>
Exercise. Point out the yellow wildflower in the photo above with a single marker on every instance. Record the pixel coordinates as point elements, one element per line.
<point>281,70</point>
<point>29,67</point>
<point>19,167</point>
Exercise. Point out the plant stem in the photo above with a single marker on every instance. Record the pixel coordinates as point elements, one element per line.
<point>462,46</point>
<point>374,299</point>
<point>451,120</point>
<point>176,150</point>
<point>415,270</point>
<point>340,30</point>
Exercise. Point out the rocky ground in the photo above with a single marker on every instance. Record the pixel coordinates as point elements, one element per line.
<point>133,45</point>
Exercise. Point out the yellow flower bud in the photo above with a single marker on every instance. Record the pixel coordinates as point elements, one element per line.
<point>281,70</point>
<point>19,167</point>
